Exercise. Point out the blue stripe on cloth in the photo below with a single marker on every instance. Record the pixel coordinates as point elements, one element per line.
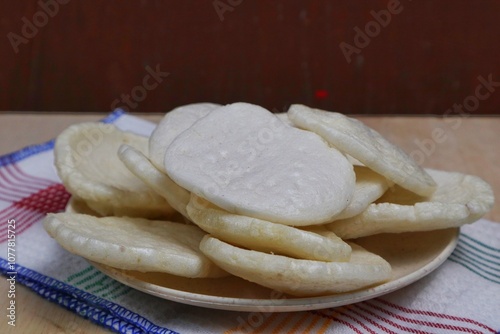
<point>469,253</point>
<point>112,117</point>
<point>481,261</point>
<point>472,263</point>
<point>35,149</point>
<point>469,267</point>
<point>26,152</point>
<point>482,244</point>
<point>478,247</point>
<point>480,254</point>
<point>96,309</point>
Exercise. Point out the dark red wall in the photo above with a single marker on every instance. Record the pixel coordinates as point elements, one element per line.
<point>273,53</point>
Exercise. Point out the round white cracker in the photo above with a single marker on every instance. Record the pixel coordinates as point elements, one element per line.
<point>174,123</point>
<point>298,277</point>
<point>369,187</point>
<point>245,160</point>
<point>265,236</point>
<point>160,182</point>
<point>133,243</point>
<point>459,199</point>
<point>366,145</point>
<point>87,163</point>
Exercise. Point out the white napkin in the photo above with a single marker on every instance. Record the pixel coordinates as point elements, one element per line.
<point>463,295</point>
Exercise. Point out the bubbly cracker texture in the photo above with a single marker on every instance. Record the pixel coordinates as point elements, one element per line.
<point>266,236</point>
<point>459,199</point>
<point>369,187</point>
<point>87,163</point>
<point>245,160</point>
<point>133,243</point>
<point>298,277</point>
<point>366,145</point>
<point>174,123</point>
<point>141,167</point>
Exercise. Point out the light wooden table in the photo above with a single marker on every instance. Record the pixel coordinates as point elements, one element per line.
<point>468,145</point>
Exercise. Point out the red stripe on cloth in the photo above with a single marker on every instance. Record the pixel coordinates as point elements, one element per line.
<point>30,220</point>
<point>336,319</point>
<point>24,220</point>
<point>8,199</point>
<point>438,315</point>
<point>13,191</point>
<point>389,321</point>
<point>21,216</point>
<point>42,182</point>
<point>421,322</point>
<point>338,310</point>
<point>376,324</point>
<point>18,215</point>
<point>16,184</point>
<point>15,176</point>
<point>51,199</point>
<point>31,209</point>
<point>7,213</point>
<point>12,194</point>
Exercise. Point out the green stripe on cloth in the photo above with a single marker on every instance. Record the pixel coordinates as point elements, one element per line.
<point>93,281</point>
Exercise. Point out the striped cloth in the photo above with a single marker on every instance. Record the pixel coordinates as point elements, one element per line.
<point>461,296</point>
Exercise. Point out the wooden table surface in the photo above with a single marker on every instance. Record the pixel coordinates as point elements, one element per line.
<point>468,145</point>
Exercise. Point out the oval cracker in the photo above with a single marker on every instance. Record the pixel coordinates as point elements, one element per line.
<point>366,145</point>
<point>298,277</point>
<point>459,199</point>
<point>133,243</point>
<point>245,160</point>
<point>266,236</point>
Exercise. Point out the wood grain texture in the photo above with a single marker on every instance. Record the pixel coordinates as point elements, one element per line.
<point>427,58</point>
<point>468,145</point>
